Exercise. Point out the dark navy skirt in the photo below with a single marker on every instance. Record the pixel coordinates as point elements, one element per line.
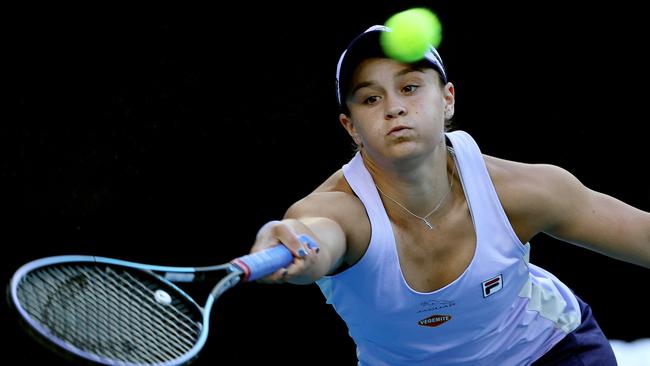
<point>585,346</point>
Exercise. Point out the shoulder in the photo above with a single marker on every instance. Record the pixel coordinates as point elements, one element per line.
<point>523,175</point>
<point>333,199</point>
<point>532,195</point>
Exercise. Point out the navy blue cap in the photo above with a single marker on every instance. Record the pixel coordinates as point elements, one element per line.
<point>367,45</point>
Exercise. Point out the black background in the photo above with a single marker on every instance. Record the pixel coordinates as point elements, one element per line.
<point>170,136</point>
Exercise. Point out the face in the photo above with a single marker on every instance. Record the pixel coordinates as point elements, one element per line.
<point>396,111</point>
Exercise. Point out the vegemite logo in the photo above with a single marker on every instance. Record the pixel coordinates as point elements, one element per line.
<point>434,320</point>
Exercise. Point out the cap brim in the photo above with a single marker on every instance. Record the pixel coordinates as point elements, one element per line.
<point>367,45</point>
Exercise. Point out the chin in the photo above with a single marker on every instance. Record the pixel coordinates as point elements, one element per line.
<point>408,151</point>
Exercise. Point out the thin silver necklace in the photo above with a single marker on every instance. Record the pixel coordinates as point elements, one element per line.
<point>444,198</point>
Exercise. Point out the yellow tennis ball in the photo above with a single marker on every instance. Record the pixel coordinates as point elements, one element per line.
<point>412,32</point>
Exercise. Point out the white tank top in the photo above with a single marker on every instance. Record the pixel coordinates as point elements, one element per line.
<point>501,311</point>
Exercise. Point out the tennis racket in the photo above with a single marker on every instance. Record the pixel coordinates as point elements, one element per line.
<point>114,312</point>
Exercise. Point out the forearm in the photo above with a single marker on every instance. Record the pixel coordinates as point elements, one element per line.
<point>636,247</point>
<point>613,228</point>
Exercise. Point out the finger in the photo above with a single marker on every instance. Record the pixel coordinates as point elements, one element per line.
<point>285,235</point>
<point>309,243</point>
<point>299,267</point>
<point>265,231</point>
<point>265,237</point>
<point>279,276</point>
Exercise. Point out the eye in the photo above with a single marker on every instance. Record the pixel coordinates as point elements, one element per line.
<point>371,100</point>
<point>411,88</point>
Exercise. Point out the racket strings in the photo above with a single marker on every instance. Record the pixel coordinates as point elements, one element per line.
<point>109,338</point>
<point>181,338</point>
<point>114,315</point>
<point>145,334</point>
<point>120,333</point>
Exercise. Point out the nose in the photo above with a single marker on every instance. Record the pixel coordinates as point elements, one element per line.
<point>394,110</point>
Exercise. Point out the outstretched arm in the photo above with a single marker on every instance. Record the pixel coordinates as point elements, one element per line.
<point>308,265</point>
<point>595,220</point>
<point>549,199</point>
<point>335,220</point>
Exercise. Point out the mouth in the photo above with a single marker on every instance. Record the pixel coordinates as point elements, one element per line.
<point>397,130</point>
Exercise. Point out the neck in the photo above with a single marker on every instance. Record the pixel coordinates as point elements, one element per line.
<point>418,190</point>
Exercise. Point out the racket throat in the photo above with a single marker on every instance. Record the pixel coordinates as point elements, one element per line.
<point>226,283</point>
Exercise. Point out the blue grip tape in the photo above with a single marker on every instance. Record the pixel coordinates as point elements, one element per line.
<point>267,261</point>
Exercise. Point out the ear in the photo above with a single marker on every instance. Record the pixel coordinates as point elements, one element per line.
<point>449,95</point>
<point>347,124</point>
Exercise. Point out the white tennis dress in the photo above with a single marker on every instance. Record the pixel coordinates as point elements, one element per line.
<point>501,311</point>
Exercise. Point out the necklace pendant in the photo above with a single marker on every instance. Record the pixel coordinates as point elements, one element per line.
<point>428,224</point>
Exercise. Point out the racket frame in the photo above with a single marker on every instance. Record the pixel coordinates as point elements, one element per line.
<point>166,274</point>
<point>246,268</point>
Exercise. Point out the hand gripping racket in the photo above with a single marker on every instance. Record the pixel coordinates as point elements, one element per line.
<point>113,312</point>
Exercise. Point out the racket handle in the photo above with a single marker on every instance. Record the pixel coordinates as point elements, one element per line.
<point>263,263</point>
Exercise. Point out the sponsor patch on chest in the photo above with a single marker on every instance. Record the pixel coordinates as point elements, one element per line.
<point>434,320</point>
<point>492,285</point>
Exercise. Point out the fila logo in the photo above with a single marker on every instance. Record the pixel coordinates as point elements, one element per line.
<point>434,320</point>
<point>492,285</point>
